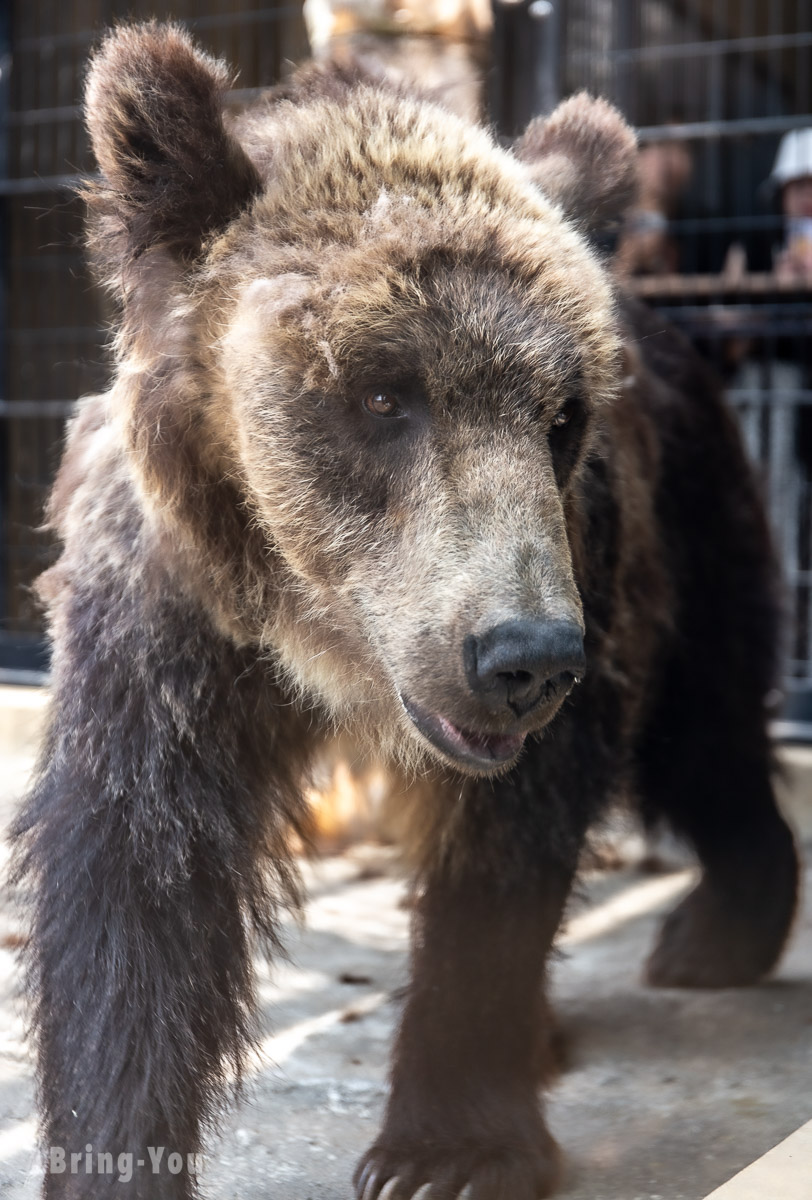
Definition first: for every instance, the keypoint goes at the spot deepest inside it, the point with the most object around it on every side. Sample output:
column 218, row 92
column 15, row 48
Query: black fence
column 53, row 327
column 713, row 86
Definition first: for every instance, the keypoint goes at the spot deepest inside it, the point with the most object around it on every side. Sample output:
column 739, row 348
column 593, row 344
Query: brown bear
column 385, row 454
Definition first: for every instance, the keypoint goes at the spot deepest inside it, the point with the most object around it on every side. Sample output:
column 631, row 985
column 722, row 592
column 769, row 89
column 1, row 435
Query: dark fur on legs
column 704, row 756
column 466, row 1072
column 473, row 1047
column 155, row 840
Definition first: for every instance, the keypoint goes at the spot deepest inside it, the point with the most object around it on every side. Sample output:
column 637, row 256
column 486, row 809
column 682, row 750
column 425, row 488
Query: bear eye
column 564, row 415
column 381, row 404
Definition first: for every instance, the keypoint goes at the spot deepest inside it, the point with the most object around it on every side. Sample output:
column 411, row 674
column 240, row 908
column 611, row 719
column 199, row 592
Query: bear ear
column 171, row 172
column 583, row 156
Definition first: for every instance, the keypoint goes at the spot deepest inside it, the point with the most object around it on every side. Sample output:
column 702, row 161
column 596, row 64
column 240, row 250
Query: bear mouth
column 480, row 751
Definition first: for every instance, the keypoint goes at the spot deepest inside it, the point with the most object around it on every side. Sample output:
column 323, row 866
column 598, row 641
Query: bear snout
column 519, row 663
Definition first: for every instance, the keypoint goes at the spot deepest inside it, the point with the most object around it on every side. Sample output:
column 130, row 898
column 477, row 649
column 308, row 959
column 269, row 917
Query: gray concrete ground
column 668, row 1095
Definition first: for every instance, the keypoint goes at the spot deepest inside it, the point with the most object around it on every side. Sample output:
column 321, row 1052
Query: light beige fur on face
column 361, row 192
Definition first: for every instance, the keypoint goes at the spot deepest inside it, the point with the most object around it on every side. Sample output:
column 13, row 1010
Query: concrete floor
column 669, row 1094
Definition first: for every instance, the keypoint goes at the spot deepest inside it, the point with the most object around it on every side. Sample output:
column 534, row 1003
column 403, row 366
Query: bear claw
column 499, row 1176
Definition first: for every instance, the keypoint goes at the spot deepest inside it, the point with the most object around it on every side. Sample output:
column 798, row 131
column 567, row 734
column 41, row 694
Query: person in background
column 773, row 374
column 645, row 245
column 792, row 175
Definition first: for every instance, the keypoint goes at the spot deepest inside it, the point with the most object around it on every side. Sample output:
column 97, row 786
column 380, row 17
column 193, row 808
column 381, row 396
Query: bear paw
column 706, row 942
column 425, row 1172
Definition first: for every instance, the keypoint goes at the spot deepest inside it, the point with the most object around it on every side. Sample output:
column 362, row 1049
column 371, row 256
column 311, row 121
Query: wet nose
column 516, row 663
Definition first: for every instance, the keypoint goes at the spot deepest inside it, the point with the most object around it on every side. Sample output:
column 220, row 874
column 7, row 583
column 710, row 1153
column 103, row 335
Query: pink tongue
column 495, row 744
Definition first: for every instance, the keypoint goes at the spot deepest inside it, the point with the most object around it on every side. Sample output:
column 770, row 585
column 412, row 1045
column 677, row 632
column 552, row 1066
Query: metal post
column 526, row 79
column 5, row 93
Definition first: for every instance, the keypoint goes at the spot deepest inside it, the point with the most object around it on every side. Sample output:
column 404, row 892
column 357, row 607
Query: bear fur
column 386, row 454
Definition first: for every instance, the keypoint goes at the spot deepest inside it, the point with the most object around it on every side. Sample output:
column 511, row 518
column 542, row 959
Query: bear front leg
column 464, row 1106
column 152, row 846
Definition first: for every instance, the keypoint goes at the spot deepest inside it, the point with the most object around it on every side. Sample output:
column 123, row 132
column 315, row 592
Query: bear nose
column 512, row 664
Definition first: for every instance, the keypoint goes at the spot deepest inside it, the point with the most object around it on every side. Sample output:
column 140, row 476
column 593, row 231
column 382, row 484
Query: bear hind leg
column 705, row 765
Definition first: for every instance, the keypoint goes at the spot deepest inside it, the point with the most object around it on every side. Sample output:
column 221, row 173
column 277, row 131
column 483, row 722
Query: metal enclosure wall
column 53, row 332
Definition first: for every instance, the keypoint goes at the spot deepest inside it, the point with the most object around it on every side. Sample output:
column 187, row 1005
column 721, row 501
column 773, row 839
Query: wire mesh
column 54, row 335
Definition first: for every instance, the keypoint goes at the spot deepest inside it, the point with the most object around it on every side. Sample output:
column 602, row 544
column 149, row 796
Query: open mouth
column 480, row 750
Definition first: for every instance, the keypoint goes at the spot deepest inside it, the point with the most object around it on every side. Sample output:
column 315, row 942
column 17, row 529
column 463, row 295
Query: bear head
column 362, row 353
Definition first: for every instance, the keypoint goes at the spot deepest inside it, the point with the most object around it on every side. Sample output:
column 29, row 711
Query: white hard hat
column 794, row 157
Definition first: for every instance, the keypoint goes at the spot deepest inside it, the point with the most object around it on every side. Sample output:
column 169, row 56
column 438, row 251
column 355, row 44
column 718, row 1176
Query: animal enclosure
column 719, row 83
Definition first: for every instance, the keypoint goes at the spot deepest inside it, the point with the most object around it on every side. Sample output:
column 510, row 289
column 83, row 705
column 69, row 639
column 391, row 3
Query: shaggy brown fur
column 382, row 454
column 583, row 159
